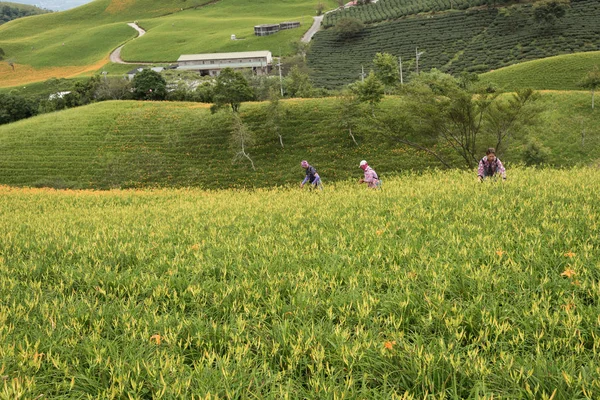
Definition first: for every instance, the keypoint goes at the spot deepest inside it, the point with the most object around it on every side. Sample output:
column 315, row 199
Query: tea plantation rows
column 474, row 41
column 392, row 9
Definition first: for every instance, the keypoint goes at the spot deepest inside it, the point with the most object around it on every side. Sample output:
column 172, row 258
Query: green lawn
column 147, row 144
column 560, row 73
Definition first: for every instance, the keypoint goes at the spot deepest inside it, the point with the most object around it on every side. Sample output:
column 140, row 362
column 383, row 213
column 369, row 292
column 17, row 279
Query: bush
column 349, row 27
column 535, row 153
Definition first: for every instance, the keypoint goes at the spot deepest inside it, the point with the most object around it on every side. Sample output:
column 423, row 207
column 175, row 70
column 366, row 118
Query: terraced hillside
column 147, row 144
column 79, row 41
column 473, row 40
column 393, row 9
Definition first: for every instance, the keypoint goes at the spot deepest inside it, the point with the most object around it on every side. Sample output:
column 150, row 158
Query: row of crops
column 474, row 41
column 393, row 9
column 435, row 290
column 133, row 144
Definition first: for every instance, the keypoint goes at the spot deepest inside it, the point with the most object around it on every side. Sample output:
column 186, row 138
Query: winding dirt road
column 115, row 56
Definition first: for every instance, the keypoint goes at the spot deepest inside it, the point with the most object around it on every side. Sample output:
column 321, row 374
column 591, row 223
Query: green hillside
column 560, row 72
column 53, row 45
column 141, row 144
column 10, row 11
column 476, row 40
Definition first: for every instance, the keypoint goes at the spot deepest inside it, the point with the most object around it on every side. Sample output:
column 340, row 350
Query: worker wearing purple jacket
column 371, row 178
column 312, row 176
column 490, row 166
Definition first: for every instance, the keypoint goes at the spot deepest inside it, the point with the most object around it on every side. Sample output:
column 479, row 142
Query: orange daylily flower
column 569, row 273
column 379, row 232
column 156, row 338
column 500, row 252
column 389, row 345
column 570, row 254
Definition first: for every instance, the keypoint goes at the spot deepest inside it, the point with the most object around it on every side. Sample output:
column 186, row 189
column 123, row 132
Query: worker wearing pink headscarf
column 371, row 178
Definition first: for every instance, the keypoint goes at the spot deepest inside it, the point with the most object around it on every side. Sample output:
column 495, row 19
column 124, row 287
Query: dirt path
column 115, row 56
column 313, row 29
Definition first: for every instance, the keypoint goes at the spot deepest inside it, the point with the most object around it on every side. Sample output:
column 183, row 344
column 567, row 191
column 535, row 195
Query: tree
column 232, row 89
column 548, row 12
column 274, row 115
column 14, row 108
column 591, row 82
column 458, row 116
column 386, row 69
column 368, row 91
column 349, row 114
column 241, row 139
column 301, row 48
column 320, row 8
column 113, row 89
column 298, row 84
column 507, row 116
column 348, row 27
column 149, row 85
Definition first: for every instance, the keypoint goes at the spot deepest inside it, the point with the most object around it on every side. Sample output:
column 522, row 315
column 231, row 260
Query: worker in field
column 371, row 178
column 311, row 177
column 490, row 166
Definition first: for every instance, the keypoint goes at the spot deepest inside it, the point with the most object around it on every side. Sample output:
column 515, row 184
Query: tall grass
column 435, row 287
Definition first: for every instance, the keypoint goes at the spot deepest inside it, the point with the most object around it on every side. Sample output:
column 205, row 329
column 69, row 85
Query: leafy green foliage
column 149, row 85
column 592, row 82
column 10, row 11
column 14, row 108
column 348, row 27
column 297, row 83
column 368, row 91
column 231, row 89
column 548, row 12
column 386, row 69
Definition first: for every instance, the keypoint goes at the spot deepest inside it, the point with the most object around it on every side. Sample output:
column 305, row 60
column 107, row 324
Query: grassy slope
column 208, row 29
column 133, row 144
column 436, row 287
column 560, row 72
column 91, row 31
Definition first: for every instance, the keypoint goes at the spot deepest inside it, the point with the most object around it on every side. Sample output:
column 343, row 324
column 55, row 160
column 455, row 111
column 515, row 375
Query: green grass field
column 558, row 73
column 436, row 287
column 52, row 45
column 149, row 144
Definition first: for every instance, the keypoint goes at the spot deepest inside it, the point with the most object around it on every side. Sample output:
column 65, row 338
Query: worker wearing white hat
column 371, row 178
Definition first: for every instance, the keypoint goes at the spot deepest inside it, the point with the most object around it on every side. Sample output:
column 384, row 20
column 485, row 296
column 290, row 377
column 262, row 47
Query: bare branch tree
column 241, row 139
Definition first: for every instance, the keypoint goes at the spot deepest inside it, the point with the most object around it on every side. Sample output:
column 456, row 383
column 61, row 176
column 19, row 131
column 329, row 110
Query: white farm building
column 211, row 64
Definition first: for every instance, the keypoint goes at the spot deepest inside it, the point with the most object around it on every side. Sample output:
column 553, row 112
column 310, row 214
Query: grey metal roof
column 222, row 65
column 224, row 56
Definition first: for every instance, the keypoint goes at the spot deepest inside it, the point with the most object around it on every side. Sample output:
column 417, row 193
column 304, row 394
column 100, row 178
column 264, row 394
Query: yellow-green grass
column 562, row 72
column 150, row 144
column 20, row 6
column 78, row 41
column 436, row 287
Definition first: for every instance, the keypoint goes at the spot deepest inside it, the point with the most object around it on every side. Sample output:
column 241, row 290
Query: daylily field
column 436, row 287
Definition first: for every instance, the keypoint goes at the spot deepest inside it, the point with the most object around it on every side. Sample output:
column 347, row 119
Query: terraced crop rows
column 474, row 41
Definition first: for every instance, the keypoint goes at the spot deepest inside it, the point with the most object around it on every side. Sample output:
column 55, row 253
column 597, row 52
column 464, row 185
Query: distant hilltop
column 55, row 5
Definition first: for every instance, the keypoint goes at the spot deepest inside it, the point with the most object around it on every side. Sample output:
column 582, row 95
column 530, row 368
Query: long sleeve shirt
column 490, row 168
column 371, row 177
column 311, row 175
